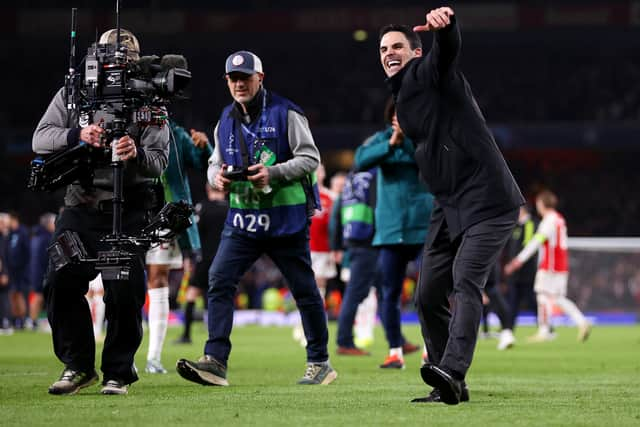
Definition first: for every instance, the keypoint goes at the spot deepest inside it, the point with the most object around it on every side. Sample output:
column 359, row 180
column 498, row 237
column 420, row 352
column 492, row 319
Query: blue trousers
column 364, row 274
column 392, row 262
column 236, row 253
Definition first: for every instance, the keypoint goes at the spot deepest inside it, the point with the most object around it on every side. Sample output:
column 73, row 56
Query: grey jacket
column 58, row 129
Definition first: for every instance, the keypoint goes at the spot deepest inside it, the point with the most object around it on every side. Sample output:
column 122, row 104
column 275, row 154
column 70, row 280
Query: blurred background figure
column 553, row 270
column 352, row 229
column 18, row 267
column 95, row 298
column 6, row 327
column 38, row 263
column 322, row 261
column 187, row 151
column 403, row 209
column 520, row 282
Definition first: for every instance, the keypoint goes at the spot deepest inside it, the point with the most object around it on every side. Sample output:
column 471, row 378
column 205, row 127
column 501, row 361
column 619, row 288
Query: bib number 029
column 251, row 222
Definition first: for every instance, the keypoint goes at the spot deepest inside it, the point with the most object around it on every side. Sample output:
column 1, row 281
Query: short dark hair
column 414, row 39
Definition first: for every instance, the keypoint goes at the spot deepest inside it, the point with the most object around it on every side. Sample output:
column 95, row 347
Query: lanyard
column 263, row 117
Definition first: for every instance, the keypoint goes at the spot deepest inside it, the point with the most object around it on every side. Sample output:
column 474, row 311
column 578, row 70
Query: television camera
column 125, row 91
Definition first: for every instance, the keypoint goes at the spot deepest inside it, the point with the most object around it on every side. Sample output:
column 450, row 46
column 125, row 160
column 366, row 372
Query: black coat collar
column 395, row 82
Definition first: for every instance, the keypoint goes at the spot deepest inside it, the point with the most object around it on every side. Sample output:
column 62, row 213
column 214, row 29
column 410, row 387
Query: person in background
column 5, row 305
column 18, row 268
column 352, row 226
column 38, row 263
column 187, row 151
column 553, row 270
column 402, row 219
column 520, row 282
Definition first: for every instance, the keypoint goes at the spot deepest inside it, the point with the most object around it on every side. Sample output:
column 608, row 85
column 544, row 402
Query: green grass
column 560, row 383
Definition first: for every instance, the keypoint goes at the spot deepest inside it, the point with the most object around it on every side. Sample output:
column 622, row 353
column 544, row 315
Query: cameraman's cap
column 127, row 39
column 243, row 62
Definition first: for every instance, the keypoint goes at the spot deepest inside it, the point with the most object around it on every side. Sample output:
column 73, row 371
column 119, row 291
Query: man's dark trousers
column 236, row 253
column 459, row 270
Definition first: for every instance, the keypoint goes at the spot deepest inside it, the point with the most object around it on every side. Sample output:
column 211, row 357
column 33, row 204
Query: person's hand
column 485, row 299
column 337, row 256
column 92, row 135
column 260, row 176
column 126, row 148
column 220, row 182
column 512, row 266
column 200, row 139
column 398, row 135
column 187, row 264
column 4, row 280
column 436, row 20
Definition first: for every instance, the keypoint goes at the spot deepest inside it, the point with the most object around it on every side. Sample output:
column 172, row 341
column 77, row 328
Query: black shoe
column 71, row 381
column 434, row 396
column 450, row 388
column 206, row 371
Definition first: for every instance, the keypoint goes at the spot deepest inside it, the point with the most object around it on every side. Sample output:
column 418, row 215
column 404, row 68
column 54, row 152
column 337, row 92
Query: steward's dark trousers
column 459, row 270
column 236, row 253
column 67, row 308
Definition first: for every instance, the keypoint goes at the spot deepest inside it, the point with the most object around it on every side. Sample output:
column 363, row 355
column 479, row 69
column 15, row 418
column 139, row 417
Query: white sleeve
column 543, row 233
column 215, row 161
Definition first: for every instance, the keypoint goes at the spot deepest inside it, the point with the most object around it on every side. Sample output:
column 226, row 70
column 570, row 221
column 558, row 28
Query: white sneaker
column 541, row 337
column 584, row 331
column 507, row 340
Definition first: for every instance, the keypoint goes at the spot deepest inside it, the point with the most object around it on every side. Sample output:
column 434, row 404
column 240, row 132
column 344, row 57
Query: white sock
column 97, row 308
column 544, row 314
column 158, row 321
column 397, row 351
column 366, row 318
column 572, row 311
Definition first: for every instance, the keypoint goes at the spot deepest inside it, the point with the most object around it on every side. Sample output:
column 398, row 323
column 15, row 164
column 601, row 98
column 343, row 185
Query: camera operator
column 88, row 211
column 266, row 141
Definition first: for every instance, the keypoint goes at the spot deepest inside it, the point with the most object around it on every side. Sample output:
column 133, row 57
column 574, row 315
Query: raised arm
column 543, row 233
column 446, row 41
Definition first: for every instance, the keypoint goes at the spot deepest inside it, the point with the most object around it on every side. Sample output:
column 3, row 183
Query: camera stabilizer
column 130, row 93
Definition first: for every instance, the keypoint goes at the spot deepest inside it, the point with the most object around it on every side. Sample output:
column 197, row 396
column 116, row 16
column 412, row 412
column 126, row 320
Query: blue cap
column 243, row 62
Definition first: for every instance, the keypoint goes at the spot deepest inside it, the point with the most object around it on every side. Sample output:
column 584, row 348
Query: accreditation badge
column 265, row 156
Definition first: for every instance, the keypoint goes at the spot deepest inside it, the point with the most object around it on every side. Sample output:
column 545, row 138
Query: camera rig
column 127, row 93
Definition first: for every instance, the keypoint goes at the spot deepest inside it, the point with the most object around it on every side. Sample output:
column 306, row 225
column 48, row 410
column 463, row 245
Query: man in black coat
column 477, row 198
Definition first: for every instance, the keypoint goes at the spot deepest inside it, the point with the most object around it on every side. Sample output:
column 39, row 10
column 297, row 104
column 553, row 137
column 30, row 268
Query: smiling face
column 244, row 87
column 395, row 52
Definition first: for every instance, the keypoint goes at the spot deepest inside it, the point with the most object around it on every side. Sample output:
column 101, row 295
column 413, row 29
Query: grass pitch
column 561, row 383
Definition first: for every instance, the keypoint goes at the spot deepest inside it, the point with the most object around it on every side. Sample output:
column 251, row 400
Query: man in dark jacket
column 477, row 198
